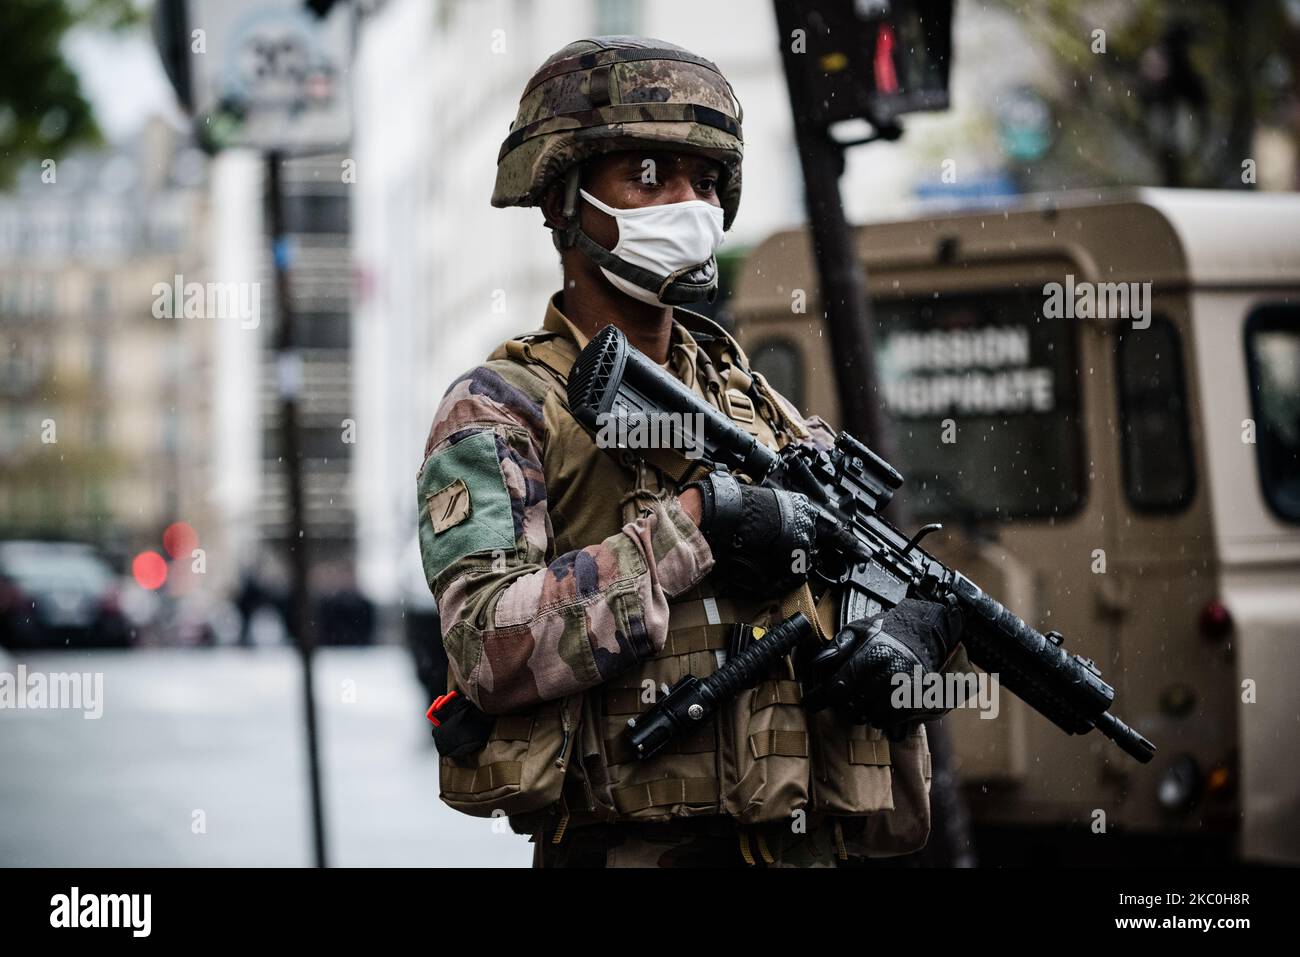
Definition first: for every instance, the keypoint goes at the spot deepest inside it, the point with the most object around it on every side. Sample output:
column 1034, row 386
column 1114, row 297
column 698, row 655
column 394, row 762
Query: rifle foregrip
column 1066, row 689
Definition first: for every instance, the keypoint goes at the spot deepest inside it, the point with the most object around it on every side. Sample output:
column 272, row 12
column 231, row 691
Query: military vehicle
column 1099, row 396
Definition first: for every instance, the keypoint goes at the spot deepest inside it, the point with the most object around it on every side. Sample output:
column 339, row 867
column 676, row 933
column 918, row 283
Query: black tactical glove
column 762, row 538
column 854, row 672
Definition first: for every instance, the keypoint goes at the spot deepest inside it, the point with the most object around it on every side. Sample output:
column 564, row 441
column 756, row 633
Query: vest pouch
column 852, row 767
column 682, row 779
column 905, row 827
column 521, row 767
column 765, row 765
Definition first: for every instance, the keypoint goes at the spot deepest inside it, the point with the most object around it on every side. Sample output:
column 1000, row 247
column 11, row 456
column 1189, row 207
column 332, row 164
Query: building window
column 1155, row 439
column 1273, row 358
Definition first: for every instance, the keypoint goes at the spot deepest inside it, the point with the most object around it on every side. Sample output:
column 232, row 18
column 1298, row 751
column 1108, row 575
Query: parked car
column 59, row 594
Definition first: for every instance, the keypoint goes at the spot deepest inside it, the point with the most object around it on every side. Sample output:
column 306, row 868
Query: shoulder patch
column 449, row 506
column 464, row 505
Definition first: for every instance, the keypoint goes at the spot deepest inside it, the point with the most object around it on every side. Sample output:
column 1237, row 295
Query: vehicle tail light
column 1215, row 620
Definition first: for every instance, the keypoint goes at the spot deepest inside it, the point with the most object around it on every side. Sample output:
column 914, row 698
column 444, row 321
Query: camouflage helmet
column 613, row 93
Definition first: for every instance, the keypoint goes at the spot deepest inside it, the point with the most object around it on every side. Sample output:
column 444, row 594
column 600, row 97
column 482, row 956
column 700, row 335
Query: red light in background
column 1215, row 621
column 150, row 570
column 180, row 540
column 883, row 62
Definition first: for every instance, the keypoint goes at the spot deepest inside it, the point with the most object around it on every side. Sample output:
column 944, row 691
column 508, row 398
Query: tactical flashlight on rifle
column 872, row 564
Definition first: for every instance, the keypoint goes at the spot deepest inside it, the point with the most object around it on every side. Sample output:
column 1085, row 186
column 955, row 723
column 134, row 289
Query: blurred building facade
column 103, row 405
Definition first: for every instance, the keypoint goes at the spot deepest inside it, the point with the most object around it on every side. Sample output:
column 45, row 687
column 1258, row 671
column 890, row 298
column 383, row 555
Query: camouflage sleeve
column 520, row 624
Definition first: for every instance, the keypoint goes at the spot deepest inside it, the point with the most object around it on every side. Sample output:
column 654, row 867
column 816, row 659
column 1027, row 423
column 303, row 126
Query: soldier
column 574, row 581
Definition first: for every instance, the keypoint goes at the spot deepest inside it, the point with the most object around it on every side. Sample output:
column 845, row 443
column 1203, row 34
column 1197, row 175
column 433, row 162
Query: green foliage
column 1175, row 97
column 43, row 113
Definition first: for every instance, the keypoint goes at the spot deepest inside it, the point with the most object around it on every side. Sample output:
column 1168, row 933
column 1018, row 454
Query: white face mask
column 663, row 239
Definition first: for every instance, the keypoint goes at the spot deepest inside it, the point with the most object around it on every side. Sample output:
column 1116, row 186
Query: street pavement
column 199, row 759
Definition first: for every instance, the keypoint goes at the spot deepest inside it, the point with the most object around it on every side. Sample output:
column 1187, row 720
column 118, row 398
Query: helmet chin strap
column 690, row 284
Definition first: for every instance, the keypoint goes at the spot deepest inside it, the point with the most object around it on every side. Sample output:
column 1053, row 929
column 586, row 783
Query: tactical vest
column 760, row 759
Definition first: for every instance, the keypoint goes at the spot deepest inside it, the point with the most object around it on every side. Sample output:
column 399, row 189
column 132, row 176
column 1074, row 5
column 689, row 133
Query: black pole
column 289, row 375
column 842, row 276
column 850, row 326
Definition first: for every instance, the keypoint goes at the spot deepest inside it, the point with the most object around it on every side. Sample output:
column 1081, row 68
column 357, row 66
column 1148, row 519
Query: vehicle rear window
column 1273, row 357
column 1155, row 440
column 984, row 395
column 779, row 360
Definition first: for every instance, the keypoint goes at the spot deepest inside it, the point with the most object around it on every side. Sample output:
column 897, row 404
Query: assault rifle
column 872, row 563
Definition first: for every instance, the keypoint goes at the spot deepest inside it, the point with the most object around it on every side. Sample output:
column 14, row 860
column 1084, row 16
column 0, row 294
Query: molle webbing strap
column 513, row 727
column 485, row 778
column 875, row 753
column 623, row 701
column 841, row 851
column 748, row 383
column 682, row 641
column 790, row 744
column 664, row 792
column 801, row 599
column 601, row 89
column 775, row 692
column 564, row 821
column 709, row 610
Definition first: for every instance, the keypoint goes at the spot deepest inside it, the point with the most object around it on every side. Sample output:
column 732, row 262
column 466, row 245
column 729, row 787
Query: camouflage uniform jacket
column 533, row 612
column 519, row 627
